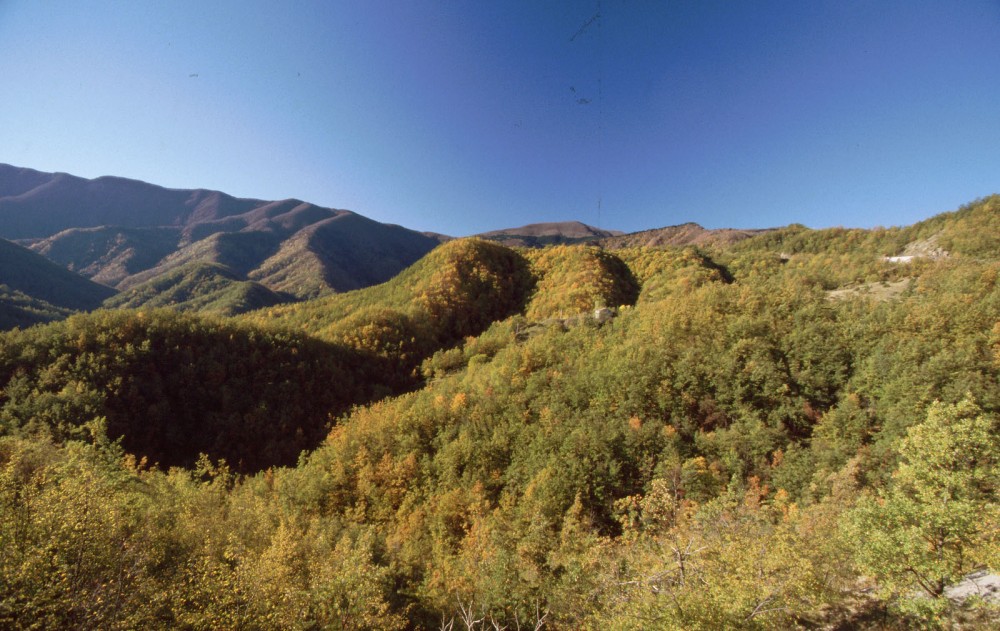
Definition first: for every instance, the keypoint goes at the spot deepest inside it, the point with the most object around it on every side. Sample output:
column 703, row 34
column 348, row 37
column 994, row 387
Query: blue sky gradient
column 462, row 117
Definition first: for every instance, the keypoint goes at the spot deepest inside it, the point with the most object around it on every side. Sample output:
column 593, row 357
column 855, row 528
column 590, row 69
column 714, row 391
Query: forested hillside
column 791, row 430
column 204, row 287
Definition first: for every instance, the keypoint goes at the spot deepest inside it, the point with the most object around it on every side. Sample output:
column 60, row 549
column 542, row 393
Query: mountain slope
column 341, row 253
column 174, row 386
column 34, row 289
column 735, row 450
column 208, row 287
column 578, row 279
column 18, row 309
column 36, row 205
column 240, row 252
column 23, row 270
column 125, row 233
column 463, row 284
column 108, row 255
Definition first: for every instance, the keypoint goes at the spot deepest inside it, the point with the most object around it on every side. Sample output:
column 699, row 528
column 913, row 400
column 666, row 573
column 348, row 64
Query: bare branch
column 468, row 614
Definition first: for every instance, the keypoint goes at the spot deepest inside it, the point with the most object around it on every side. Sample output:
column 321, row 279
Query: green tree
column 930, row 526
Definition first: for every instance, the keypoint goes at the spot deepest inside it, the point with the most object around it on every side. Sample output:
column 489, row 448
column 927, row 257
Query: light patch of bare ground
column 927, row 248
column 980, row 584
column 881, row 291
column 923, row 249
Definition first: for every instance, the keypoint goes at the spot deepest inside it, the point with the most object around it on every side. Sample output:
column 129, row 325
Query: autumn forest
column 797, row 429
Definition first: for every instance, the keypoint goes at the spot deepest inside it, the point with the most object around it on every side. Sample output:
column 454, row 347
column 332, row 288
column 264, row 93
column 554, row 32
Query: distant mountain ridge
column 124, row 233
column 681, row 235
column 542, row 234
column 568, row 232
column 35, row 204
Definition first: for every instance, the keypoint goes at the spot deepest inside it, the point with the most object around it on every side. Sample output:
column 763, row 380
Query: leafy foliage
column 174, row 386
column 734, row 449
column 924, row 531
column 579, row 279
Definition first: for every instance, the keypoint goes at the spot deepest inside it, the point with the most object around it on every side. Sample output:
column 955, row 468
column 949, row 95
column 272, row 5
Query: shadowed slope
column 108, row 255
column 21, row 270
column 176, row 385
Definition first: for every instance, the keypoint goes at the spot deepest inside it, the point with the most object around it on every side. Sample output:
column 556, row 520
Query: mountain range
column 146, row 241
column 135, row 244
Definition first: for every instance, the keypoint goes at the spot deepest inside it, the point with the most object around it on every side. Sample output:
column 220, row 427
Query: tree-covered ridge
column 543, row 234
column 662, row 271
column 734, row 450
column 18, row 309
column 726, row 416
column 835, row 257
column 239, row 252
column 578, row 279
column 204, row 287
column 106, row 254
column 174, row 386
column 455, row 291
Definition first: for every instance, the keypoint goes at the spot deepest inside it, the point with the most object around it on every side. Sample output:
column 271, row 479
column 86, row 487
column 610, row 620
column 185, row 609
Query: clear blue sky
column 461, row 117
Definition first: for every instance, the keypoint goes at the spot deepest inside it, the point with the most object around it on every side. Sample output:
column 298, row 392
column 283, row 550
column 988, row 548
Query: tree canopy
column 743, row 445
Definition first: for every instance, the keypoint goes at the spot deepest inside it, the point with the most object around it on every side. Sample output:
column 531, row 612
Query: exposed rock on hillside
column 922, row 249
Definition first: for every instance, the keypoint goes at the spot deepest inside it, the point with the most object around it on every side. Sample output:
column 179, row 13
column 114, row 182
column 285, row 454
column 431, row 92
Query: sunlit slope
column 560, row 442
column 683, row 235
column 578, row 279
column 837, row 257
column 205, row 287
column 971, row 231
column 458, row 288
column 463, row 286
column 662, row 272
column 341, row 253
